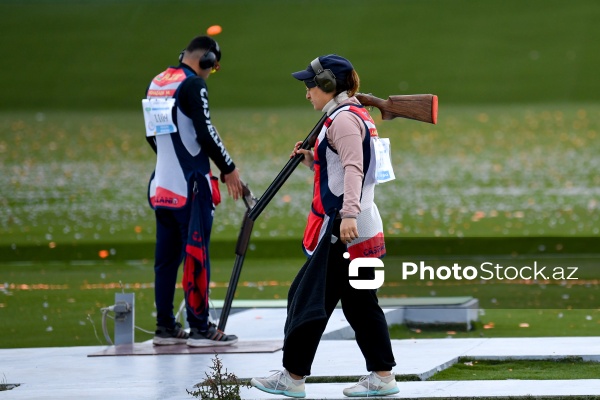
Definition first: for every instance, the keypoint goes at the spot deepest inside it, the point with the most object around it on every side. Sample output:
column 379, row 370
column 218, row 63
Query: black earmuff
column 208, row 60
column 211, row 58
column 324, row 78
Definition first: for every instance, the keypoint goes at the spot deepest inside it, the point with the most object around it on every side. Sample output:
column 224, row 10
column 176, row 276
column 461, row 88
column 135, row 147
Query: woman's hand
column 348, row 230
column 308, row 159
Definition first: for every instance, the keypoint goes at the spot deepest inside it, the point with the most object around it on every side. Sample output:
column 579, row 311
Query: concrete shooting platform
column 105, row 372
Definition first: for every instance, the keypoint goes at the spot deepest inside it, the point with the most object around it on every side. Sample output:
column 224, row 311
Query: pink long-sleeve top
column 345, row 135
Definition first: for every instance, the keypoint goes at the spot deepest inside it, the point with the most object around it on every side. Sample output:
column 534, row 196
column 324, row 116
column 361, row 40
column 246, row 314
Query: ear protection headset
column 209, row 59
column 324, row 78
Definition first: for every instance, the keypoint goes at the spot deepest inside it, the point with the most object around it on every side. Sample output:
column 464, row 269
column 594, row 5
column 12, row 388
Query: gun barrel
column 284, row 174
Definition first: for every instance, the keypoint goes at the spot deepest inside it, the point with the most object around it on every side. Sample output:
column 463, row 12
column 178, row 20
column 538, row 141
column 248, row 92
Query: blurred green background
column 92, row 55
column 515, row 152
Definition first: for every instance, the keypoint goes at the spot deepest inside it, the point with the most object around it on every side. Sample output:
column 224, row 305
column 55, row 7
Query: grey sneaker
column 280, row 383
column 169, row 336
column 211, row 337
column 373, row 385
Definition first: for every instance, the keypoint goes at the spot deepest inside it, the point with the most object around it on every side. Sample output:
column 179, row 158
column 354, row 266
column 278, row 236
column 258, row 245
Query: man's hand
column 348, row 230
column 308, row 160
column 233, row 183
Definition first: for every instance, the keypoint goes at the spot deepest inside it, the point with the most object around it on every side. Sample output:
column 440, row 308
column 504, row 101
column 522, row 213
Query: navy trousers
column 361, row 309
column 172, row 234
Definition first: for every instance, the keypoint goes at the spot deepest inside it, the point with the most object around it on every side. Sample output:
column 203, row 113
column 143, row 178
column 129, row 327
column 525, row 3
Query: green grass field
column 48, row 304
column 514, row 155
column 467, row 369
column 482, row 171
column 501, row 171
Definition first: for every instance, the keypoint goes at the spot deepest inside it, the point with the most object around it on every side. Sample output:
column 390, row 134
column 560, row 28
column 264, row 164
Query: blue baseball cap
column 339, row 67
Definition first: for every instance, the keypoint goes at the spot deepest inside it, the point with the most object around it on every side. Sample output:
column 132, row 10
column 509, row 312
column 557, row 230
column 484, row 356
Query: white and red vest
column 328, row 191
column 178, row 155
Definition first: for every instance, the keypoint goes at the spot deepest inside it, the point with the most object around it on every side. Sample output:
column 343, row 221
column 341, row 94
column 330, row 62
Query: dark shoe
column 165, row 336
column 211, row 337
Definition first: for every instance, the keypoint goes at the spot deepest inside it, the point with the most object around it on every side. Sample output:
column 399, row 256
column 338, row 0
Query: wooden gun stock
column 420, row 107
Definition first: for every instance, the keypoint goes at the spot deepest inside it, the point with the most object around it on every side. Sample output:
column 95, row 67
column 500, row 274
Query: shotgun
column 419, row 107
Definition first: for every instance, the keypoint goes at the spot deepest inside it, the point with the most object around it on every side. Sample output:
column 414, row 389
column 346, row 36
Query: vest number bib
column 158, row 116
column 384, row 171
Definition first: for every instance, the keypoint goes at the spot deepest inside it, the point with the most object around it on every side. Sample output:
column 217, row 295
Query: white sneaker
column 280, row 383
column 373, row 385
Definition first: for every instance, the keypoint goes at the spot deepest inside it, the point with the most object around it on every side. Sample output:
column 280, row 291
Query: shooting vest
column 328, row 191
column 179, row 159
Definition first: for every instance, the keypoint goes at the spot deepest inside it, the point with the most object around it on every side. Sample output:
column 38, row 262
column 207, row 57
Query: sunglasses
column 215, row 68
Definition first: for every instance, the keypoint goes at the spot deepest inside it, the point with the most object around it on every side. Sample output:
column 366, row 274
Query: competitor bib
column 158, row 116
column 383, row 171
